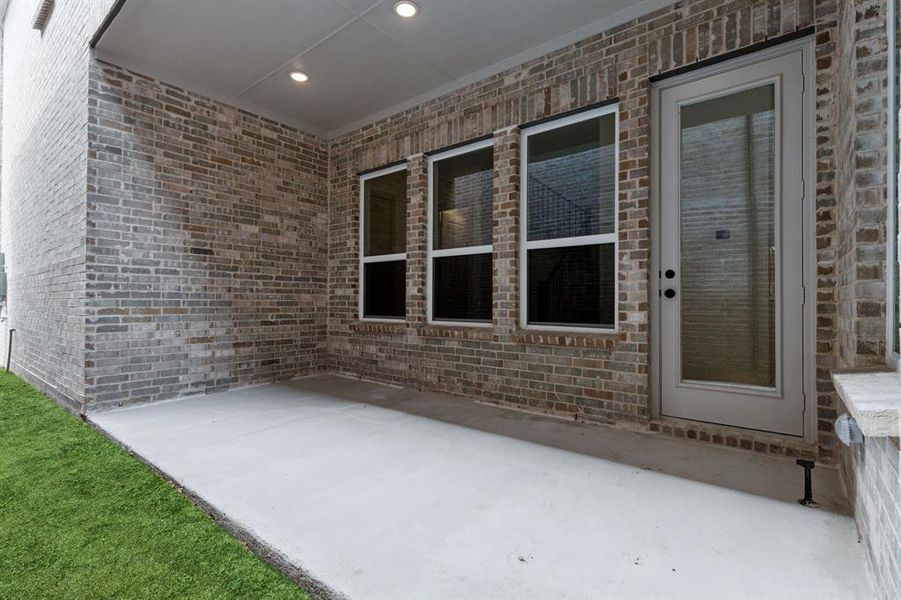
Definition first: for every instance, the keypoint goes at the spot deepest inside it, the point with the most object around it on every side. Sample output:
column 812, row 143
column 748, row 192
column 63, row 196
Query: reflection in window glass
column 383, row 274
column 570, row 245
column 462, row 196
column 385, row 289
column 728, row 233
column 461, row 221
column 572, row 180
column 572, row 286
column 462, row 288
column 385, row 214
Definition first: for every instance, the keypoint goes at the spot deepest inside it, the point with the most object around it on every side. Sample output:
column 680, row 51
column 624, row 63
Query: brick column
column 417, row 238
column 505, row 235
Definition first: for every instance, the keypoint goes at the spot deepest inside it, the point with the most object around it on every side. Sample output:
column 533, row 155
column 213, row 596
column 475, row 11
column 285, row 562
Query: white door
column 730, row 257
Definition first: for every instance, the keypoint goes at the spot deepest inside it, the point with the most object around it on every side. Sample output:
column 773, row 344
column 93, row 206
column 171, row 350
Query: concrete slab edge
column 111, row 405
column 316, row 589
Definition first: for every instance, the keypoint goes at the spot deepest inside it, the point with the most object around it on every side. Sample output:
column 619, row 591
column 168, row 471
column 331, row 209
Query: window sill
column 384, row 326
column 873, row 398
column 465, row 332
column 574, row 339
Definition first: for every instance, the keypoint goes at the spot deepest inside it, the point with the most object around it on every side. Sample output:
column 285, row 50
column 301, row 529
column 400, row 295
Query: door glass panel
column 728, row 278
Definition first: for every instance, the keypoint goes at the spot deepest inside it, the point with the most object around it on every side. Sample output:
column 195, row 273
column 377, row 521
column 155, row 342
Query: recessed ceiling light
column 405, row 9
column 298, row 76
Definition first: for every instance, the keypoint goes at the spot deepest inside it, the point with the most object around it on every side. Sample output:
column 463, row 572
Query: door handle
column 669, row 293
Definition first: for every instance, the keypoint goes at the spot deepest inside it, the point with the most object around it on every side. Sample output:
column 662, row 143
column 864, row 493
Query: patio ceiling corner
column 363, row 61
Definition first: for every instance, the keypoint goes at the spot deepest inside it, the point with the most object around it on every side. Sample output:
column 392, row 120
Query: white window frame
column 893, row 184
column 588, row 240
column 364, row 260
column 431, row 252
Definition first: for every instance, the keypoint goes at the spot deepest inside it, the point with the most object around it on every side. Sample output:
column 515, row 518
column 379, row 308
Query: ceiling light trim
column 405, row 9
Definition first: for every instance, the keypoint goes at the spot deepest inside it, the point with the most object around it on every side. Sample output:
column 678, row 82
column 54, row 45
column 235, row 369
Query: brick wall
column 44, row 169
column 874, row 486
column 871, row 469
column 206, row 244
column 599, row 377
column 861, row 88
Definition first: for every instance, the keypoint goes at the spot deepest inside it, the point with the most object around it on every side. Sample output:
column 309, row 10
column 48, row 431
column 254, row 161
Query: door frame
column 808, row 219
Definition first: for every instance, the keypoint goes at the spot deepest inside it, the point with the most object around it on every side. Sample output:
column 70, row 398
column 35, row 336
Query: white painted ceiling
column 364, row 61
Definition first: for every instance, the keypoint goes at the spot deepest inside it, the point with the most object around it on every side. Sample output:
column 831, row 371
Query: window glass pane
column 461, row 192
column 384, row 294
column 385, row 214
column 462, row 288
column 728, row 220
column 572, row 286
column 571, row 180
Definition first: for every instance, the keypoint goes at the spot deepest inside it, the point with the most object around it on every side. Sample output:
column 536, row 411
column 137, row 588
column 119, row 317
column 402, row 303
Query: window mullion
column 587, row 240
column 464, row 251
column 385, row 258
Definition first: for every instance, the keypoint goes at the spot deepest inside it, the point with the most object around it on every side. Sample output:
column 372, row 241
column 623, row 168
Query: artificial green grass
column 82, row 518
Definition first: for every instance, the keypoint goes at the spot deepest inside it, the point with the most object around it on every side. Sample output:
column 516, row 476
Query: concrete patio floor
column 378, row 492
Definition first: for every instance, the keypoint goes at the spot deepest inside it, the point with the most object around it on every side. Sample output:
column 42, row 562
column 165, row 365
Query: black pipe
column 9, row 349
column 807, row 500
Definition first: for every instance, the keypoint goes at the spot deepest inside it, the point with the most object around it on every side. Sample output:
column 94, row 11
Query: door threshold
column 760, row 442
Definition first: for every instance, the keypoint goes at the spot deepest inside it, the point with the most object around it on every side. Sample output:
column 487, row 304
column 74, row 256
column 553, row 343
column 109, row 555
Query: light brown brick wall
column 206, row 244
column 45, row 76
column 873, row 480
column 597, row 377
column 861, row 236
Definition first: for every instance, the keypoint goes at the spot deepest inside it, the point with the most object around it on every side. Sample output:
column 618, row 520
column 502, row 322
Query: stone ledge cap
column 873, row 398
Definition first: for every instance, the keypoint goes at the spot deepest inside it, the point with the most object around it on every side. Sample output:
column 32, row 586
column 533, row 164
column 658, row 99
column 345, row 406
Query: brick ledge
column 873, row 397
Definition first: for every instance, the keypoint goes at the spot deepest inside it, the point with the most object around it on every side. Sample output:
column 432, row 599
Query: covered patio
column 374, row 491
column 438, row 299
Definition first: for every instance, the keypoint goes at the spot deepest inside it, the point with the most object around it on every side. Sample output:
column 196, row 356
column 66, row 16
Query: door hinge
column 803, row 295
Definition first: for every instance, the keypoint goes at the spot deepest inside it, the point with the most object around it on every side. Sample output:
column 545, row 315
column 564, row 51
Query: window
column 569, row 240
column 460, row 220
column 383, row 244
